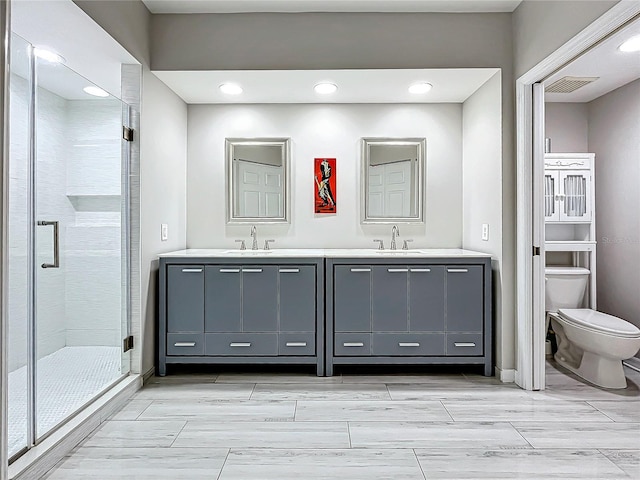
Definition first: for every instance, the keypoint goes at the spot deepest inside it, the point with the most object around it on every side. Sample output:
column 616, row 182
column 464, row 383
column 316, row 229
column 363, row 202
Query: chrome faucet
column 394, row 232
column 254, row 235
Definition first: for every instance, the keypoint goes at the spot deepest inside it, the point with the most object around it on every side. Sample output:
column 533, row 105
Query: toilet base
column 601, row 371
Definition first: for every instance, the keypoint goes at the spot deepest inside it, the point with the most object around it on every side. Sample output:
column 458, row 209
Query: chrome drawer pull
column 251, row 270
column 457, row 270
column 353, row 344
column 397, row 270
column 420, row 269
column 191, row 270
column 240, row 344
column 464, row 344
column 184, row 344
column 408, row 344
column 289, row 270
column 360, row 269
column 229, row 270
column 296, row 344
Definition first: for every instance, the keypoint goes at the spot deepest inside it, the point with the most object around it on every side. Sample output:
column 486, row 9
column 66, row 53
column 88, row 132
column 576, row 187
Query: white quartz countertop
column 324, row 252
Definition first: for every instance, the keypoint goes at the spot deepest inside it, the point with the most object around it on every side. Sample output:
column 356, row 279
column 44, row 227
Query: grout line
column 424, row 475
column 349, row 432
column 295, row 410
column 448, row 412
column 252, row 390
column 223, row 464
column 519, row 433
column 600, row 411
column 181, row 430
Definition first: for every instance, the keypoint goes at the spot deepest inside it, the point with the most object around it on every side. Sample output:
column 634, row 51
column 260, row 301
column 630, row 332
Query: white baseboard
column 40, row 459
column 506, row 375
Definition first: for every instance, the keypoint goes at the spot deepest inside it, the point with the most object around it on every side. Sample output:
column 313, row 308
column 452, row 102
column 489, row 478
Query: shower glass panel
column 18, row 257
column 78, row 248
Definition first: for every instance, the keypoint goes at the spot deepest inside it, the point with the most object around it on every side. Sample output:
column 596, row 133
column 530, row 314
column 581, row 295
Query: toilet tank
column 564, row 287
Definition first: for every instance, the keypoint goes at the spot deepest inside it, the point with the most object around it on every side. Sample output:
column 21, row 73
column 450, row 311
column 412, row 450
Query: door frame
column 529, row 374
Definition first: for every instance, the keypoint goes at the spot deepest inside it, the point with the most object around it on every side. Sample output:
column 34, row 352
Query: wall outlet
column 164, row 232
column 485, row 232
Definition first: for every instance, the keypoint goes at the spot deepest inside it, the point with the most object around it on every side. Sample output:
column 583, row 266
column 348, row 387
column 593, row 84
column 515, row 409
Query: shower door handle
column 56, row 243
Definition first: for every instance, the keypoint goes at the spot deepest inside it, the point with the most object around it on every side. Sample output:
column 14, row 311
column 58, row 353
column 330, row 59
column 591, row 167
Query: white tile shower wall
column 17, row 216
column 93, row 251
column 324, row 131
column 51, row 204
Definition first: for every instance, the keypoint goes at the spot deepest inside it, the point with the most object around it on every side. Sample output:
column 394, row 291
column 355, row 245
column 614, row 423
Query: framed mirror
column 393, row 179
column 258, row 189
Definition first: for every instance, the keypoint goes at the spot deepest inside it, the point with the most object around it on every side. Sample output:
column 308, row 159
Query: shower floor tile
column 66, row 379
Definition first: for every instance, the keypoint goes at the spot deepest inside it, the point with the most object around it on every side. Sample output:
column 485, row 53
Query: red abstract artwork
column 325, row 180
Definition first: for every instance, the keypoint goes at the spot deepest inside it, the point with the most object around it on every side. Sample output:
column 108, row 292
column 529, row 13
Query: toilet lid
column 566, row 270
column 600, row 321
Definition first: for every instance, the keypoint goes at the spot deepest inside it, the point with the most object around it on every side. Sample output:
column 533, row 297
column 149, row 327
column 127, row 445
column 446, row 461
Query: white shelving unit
column 569, row 210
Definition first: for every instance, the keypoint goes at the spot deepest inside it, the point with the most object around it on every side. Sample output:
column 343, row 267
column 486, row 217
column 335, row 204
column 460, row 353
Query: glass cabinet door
column 551, row 211
column 576, row 193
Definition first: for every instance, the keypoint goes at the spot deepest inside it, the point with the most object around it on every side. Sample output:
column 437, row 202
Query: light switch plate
column 164, row 232
column 485, row 232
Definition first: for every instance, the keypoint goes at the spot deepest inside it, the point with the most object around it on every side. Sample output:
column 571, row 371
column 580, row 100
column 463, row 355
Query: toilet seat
column 599, row 322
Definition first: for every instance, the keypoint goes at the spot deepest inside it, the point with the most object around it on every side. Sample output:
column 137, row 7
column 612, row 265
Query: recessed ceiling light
column 631, row 45
column 230, row 89
column 95, row 91
column 48, row 55
column 325, row 88
column 420, row 88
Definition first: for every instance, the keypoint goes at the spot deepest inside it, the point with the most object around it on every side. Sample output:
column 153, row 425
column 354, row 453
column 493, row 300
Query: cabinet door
column 297, row 298
column 465, row 302
column 426, row 298
column 223, row 304
column 185, row 298
column 352, row 298
column 551, row 196
column 389, row 299
column 259, row 298
column 575, row 196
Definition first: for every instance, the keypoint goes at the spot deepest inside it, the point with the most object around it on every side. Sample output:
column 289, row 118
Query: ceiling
column 96, row 59
column 293, row 6
column 354, row 86
column 615, row 68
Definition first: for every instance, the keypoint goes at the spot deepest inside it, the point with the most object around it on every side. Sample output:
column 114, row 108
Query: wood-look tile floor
column 264, row 426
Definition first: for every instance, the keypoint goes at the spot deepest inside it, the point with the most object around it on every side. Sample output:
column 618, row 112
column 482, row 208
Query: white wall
column 163, row 162
column 324, row 131
column 481, row 197
column 566, row 126
column 614, row 136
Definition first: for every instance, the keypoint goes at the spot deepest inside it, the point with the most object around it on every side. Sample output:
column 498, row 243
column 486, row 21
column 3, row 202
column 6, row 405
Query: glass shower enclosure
column 68, row 255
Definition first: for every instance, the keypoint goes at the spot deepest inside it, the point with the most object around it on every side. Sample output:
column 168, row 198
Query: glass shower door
column 79, row 270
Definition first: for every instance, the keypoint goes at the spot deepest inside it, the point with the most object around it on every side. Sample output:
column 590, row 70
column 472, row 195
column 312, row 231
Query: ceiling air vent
column 569, row 84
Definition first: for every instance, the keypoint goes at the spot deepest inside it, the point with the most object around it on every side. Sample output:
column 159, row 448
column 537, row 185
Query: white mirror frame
column 230, row 144
column 421, row 145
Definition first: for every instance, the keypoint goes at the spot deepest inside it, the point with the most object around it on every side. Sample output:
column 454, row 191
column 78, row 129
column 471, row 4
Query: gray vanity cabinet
column 412, row 310
column 239, row 311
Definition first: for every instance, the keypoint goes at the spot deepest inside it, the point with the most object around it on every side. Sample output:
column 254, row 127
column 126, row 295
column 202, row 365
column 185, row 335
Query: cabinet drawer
column 408, row 344
column 185, row 344
column 241, row 344
column 347, row 344
column 303, row 343
column 463, row 344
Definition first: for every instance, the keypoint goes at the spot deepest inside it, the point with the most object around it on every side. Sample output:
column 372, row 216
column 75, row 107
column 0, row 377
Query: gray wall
column 614, row 136
column 541, row 27
column 566, row 126
column 163, row 163
column 481, row 191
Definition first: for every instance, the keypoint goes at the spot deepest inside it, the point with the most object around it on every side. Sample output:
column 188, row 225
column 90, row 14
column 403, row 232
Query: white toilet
column 591, row 344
